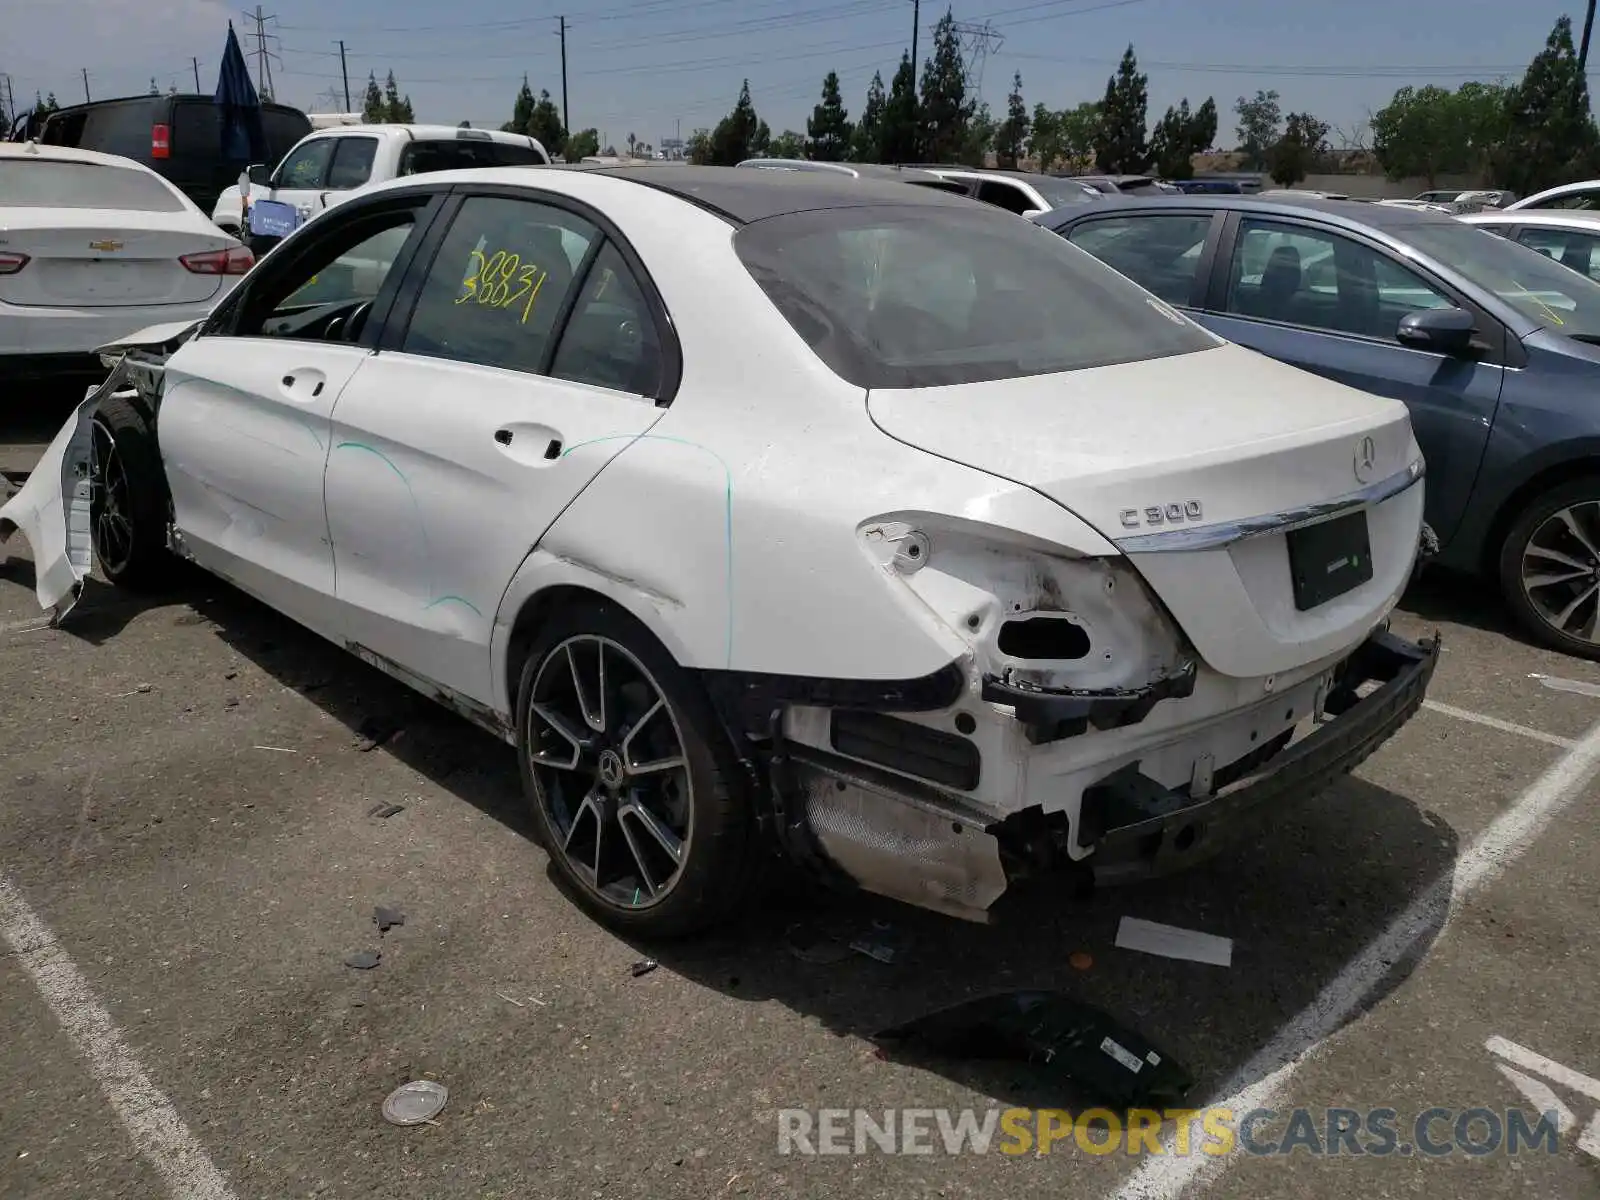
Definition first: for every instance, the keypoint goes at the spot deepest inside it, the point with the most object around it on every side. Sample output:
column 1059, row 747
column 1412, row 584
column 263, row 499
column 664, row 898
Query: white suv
column 324, row 167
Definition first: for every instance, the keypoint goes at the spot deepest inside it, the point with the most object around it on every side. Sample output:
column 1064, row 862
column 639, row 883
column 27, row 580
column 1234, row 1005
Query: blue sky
column 651, row 66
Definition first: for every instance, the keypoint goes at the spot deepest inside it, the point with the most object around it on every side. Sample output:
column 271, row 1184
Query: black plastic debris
column 1053, row 1031
column 384, row 811
column 387, row 918
column 362, row 960
column 644, row 966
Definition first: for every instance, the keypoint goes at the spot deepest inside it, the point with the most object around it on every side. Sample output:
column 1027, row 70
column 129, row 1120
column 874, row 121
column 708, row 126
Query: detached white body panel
column 1073, row 598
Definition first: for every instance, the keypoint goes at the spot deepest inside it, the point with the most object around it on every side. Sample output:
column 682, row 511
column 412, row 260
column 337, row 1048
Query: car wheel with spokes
column 1550, row 568
column 633, row 784
column 128, row 497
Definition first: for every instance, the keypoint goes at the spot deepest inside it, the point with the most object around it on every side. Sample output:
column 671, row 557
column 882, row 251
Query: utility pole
column 86, row 96
column 916, row 20
column 345, row 71
column 1583, row 49
column 566, row 113
column 196, row 63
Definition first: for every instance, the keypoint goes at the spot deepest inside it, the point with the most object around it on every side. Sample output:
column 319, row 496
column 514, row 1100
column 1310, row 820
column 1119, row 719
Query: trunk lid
column 90, row 258
column 1166, row 457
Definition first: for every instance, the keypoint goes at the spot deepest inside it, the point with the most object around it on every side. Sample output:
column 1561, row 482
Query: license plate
column 1329, row 559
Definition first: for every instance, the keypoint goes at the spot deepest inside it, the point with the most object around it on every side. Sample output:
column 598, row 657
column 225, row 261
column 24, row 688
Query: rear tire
column 1550, row 568
column 624, row 763
column 128, row 512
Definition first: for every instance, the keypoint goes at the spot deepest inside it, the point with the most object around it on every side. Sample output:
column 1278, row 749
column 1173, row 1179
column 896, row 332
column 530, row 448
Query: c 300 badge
column 1179, row 513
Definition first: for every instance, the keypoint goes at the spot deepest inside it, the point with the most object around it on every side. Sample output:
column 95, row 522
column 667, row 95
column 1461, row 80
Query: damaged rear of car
column 1120, row 712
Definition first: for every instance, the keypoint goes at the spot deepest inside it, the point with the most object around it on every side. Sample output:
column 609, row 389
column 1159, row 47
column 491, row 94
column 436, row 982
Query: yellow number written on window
column 501, row 280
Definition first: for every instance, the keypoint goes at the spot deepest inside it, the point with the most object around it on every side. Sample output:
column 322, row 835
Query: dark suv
column 178, row 137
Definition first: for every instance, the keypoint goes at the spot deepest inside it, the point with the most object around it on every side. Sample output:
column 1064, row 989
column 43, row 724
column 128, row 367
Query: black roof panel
column 748, row 195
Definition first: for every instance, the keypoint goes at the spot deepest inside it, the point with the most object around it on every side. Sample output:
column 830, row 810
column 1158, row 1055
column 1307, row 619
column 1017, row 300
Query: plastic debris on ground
column 881, row 942
column 387, row 918
column 415, row 1103
column 363, row 960
column 1169, row 941
column 644, row 967
column 1061, row 1035
column 384, row 811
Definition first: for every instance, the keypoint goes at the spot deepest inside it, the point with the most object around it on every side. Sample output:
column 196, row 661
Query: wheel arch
column 1581, row 461
column 546, row 584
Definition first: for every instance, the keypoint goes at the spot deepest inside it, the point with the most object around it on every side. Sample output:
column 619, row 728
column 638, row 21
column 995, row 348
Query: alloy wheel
column 610, row 771
column 110, row 501
column 1561, row 571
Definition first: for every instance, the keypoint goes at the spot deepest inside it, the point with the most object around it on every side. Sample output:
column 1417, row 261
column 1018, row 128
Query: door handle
column 288, row 381
column 503, row 436
column 553, row 450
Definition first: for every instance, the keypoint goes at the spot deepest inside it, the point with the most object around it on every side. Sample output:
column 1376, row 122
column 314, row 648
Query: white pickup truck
column 327, row 165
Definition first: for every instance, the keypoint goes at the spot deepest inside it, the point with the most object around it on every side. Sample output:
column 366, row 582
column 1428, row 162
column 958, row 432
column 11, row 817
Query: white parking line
column 1261, row 1081
column 1477, row 718
column 154, row 1125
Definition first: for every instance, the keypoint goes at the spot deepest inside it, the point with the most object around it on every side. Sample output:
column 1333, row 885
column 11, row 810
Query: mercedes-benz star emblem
column 611, row 769
column 1366, row 459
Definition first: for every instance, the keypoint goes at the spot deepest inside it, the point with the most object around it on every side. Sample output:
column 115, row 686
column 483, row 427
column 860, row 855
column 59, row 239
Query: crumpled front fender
column 52, row 509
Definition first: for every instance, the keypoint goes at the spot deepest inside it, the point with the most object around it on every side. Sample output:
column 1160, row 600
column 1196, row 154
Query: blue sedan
column 1493, row 347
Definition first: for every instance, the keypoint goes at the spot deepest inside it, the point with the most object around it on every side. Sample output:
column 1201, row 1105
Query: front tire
column 1550, row 568
column 129, row 499
column 635, row 790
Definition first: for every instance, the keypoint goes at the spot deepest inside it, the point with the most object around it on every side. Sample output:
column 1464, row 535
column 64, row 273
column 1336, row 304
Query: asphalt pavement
column 190, row 847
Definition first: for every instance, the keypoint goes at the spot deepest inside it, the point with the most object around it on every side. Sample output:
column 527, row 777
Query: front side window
column 1571, row 249
column 307, row 164
column 1306, row 276
column 1161, row 253
column 352, row 162
column 498, row 282
column 328, row 293
column 904, row 296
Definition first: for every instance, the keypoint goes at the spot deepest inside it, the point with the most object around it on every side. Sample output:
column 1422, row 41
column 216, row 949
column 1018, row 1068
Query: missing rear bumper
column 1146, row 830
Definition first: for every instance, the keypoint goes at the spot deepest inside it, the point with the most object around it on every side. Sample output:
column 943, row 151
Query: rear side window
column 196, row 129
column 497, row 283
column 1161, row 253
column 44, row 184
column 912, row 296
column 352, row 162
column 453, row 154
column 122, row 128
column 1005, row 195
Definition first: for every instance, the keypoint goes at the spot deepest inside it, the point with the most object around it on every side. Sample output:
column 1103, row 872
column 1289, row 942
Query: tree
column 866, row 139
column 788, row 144
column 1259, row 120
column 581, row 145
column 545, row 125
column 698, row 148
column 761, row 140
column 734, row 138
column 1482, row 110
column 1550, row 135
column 897, row 139
column 946, row 108
column 521, row 111
column 978, row 140
column 1180, row 135
column 391, row 100
column 828, row 127
column 51, row 104
column 372, row 110
column 1301, row 148
column 1011, row 137
column 1066, row 137
column 1120, row 145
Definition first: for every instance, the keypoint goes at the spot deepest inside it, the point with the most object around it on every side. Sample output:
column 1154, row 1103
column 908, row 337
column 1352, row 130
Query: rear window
column 25, row 184
column 122, row 128
column 282, row 129
column 423, row 157
column 912, row 296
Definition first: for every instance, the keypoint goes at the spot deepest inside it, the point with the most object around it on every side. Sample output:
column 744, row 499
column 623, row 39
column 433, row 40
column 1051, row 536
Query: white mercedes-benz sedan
column 771, row 511
column 94, row 247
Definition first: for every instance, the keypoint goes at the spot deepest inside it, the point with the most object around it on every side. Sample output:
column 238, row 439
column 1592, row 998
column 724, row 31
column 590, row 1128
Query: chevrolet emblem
column 105, row 245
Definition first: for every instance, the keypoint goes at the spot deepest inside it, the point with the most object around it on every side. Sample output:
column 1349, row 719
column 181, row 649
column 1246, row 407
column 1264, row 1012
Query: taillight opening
column 10, row 263
column 234, row 260
column 160, row 142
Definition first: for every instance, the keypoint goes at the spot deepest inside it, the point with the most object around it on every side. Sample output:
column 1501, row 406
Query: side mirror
column 1443, row 330
column 258, row 175
column 1034, row 212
